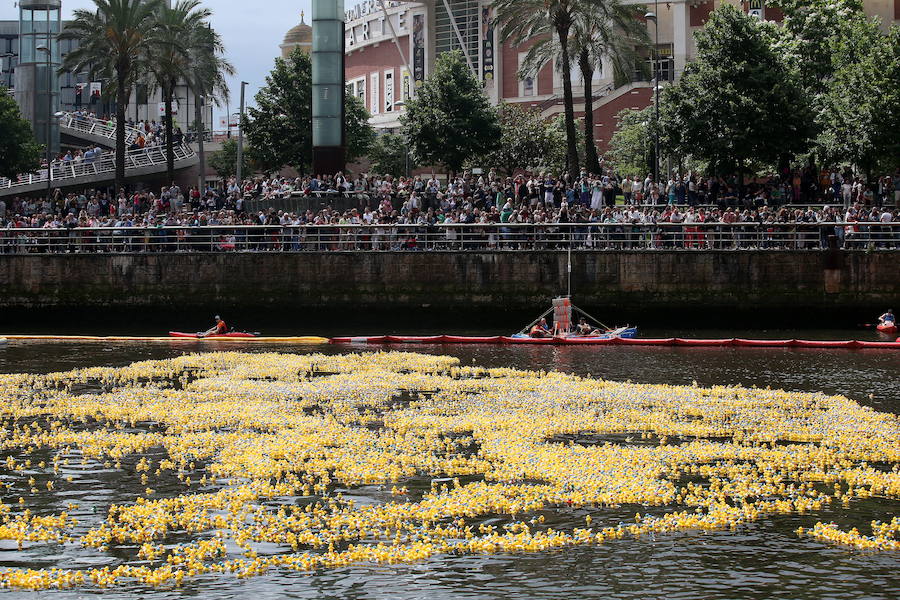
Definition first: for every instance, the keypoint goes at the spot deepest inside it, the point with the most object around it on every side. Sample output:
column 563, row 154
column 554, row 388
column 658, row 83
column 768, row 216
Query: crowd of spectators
column 422, row 212
column 836, row 186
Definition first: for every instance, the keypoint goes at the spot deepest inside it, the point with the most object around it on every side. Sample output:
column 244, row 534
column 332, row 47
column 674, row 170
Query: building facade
column 22, row 75
column 391, row 48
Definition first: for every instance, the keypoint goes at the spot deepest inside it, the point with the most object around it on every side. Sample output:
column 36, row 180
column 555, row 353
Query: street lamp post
column 402, row 104
column 46, row 50
column 240, row 147
column 652, row 16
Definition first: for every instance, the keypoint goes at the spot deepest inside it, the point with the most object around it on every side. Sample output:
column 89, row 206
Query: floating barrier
column 588, row 341
column 175, row 340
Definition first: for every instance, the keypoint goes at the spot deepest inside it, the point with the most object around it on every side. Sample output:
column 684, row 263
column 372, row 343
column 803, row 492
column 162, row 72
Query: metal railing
column 597, row 237
column 69, row 173
column 96, row 127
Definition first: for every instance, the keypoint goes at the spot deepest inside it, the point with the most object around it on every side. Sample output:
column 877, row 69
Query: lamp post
column 402, row 104
column 651, row 16
column 46, row 50
column 240, row 146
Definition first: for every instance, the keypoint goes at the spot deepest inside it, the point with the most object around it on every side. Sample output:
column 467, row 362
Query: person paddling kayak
column 220, row 328
column 888, row 318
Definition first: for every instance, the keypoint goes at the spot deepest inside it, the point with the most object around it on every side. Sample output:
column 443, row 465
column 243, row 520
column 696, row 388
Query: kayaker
column 220, row 328
column 888, row 318
column 541, row 330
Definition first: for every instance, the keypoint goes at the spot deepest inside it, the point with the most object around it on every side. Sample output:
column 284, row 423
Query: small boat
column 887, row 328
column 623, row 333
column 200, row 336
column 565, row 328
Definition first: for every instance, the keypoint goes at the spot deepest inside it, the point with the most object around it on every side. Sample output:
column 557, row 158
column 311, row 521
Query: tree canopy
column 279, row 127
column 224, row 161
column 738, row 102
column 631, row 146
column 527, row 141
column 19, row 151
column 450, row 120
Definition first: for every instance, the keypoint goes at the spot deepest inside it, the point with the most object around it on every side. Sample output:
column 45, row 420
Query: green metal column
column 328, row 83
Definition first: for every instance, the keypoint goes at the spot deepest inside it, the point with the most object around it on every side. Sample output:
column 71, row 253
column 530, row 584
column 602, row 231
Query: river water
column 762, row 560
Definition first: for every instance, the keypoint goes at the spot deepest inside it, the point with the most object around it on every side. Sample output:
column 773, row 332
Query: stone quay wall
column 445, row 280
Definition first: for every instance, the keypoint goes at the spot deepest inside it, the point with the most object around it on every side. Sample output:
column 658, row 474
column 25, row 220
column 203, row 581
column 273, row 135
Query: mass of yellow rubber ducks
column 239, row 464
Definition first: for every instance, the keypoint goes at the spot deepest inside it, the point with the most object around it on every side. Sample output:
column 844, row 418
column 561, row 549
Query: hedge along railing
column 591, row 237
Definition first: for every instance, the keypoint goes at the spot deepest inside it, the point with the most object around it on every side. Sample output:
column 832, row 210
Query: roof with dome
column 300, row 34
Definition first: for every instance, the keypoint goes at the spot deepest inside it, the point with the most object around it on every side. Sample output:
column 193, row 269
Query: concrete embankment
column 635, row 281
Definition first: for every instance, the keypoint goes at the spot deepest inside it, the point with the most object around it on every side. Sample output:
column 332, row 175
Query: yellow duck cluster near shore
column 244, row 463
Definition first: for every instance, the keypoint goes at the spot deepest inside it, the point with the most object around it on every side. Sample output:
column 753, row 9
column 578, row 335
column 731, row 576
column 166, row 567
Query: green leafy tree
column 19, row 151
column 848, row 68
column 279, row 127
column 806, row 39
column 450, row 120
column 389, row 155
column 609, row 30
column 526, row 140
column 738, row 101
column 114, row 43
column 224, row 161
column 855, row 113
column 548, row 25
column 631, row 146
column 170, row 59
column 360, row 133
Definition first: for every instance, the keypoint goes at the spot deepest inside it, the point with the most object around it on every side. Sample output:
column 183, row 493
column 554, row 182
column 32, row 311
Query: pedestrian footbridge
column 101, row 168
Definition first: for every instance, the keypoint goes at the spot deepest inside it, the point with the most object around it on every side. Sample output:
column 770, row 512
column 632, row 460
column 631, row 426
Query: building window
column 526, row 84
column 666, row 64
column 467, row 14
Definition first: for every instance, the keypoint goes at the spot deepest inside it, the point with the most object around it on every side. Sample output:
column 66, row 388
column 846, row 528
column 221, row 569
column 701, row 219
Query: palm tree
column 527, row 20
column 171, row 58
column 610, row 31
column 206, row 77
column 113, row 44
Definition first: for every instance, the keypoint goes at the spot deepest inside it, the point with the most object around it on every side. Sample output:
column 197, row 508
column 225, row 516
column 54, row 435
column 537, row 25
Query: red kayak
column 886, row 328
column 197, row 336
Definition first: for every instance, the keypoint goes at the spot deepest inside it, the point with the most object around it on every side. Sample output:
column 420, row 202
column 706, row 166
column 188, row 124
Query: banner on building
column 96, row 91
column 487, row 45
column 162, row 108
column 757, row 8
column 418, row 50
column 79, row 93
column 406, row 81
column 389, row 91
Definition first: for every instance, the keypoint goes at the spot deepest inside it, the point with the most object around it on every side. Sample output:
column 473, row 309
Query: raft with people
column 591, row 332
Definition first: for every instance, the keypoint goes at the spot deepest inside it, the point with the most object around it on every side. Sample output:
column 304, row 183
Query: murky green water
column 758, row 561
